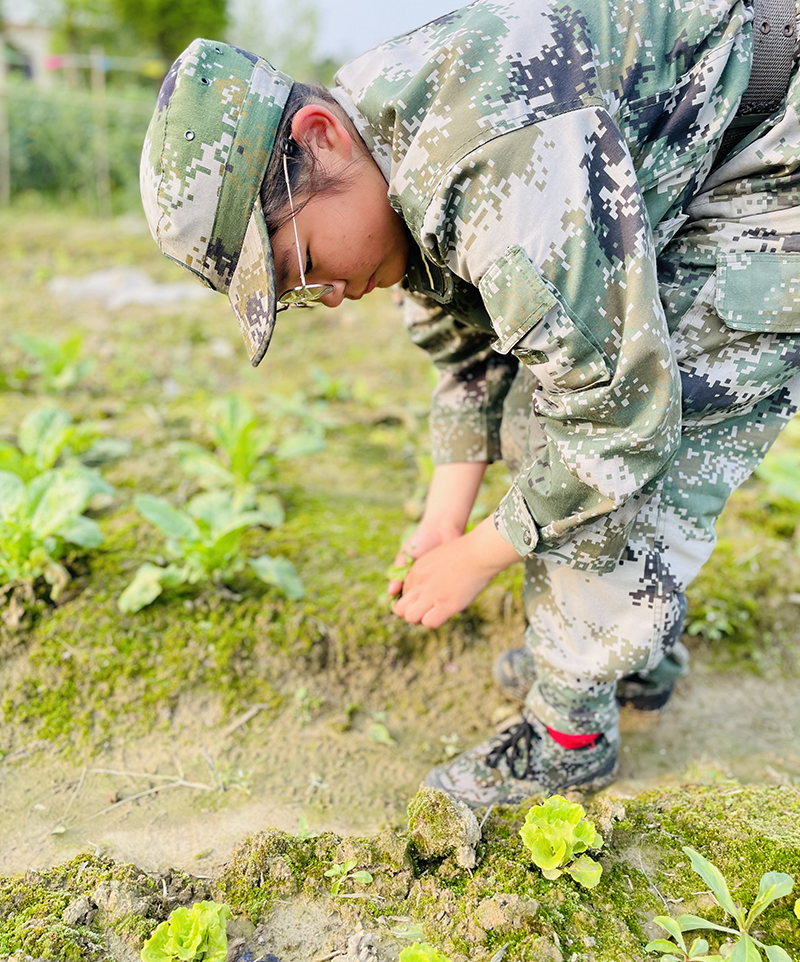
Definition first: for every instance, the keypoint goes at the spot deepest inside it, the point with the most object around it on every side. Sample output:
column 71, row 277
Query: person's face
column 352, row 240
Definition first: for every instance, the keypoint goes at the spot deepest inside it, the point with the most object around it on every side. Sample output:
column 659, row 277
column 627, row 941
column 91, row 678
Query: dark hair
column 306, row 174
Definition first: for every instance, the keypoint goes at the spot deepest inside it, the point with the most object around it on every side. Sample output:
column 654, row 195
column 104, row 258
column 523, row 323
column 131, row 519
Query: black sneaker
column 522, row 761
column 515, row 672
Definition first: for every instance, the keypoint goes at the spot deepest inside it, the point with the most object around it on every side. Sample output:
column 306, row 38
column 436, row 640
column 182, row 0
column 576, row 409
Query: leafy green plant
column 40, row 517
column 421, row 952
column 48, row 437
column 342, row 872
column 554, row 833
column 203, row 544
column 746, row 948
column 246, row 450
column 197, row 934
column 58, row 363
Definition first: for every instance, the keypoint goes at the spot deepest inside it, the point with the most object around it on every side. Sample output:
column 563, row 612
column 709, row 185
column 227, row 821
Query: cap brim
column 252, row 288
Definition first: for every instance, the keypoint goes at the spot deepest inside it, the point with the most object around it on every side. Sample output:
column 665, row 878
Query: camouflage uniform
column 613, row 316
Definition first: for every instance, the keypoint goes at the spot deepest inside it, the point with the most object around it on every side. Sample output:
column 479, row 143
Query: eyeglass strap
column 294, row 223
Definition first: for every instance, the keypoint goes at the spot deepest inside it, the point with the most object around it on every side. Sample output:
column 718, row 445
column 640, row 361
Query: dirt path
column 275, row 772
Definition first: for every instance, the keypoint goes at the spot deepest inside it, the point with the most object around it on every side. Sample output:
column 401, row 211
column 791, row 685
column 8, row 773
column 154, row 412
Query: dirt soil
column 184, row 799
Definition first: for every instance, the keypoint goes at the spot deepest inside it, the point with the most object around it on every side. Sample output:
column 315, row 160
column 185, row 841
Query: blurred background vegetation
column 78, row 80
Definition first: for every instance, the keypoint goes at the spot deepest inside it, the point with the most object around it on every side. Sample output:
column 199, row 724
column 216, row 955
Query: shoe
column 515, row 672
column 521, row 761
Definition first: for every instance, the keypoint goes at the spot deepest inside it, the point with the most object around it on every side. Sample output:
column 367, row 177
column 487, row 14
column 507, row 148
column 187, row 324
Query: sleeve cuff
column 462, row 436
column 515, row 523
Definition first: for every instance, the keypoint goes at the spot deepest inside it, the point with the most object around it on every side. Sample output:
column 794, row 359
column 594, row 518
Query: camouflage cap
column 204, row 157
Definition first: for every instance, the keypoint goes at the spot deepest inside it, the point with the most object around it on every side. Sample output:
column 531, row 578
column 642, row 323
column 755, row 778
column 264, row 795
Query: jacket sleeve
column 549, row 223
column 467, row 404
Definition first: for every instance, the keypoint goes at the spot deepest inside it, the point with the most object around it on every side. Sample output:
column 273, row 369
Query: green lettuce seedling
column 422, row 952
column 773, row 885
column 40, row 517
column 190, row 935
column 203, row 544
column 554, row 833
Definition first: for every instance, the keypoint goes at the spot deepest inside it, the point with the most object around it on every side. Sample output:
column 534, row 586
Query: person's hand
column 448, row 577
column 425, row 538
column 441, row 582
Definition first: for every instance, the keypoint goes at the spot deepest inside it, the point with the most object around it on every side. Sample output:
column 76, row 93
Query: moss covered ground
column 80, row 680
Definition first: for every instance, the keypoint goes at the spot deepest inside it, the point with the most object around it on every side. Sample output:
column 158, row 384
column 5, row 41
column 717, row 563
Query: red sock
column 572, row 741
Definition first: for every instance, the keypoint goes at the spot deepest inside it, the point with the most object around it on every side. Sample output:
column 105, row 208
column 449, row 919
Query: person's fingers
column 435, row 617
column 395, row 587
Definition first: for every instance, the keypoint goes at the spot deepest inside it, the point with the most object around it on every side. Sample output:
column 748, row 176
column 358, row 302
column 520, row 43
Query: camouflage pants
column 730, row 293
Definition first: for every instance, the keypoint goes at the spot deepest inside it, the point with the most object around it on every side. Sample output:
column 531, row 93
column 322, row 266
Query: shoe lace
column 517, row 746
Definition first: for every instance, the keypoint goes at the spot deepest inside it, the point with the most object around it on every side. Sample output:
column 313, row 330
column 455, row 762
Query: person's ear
column 322, row 132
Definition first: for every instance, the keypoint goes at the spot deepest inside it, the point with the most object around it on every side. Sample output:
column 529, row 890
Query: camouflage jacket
column 541, row 154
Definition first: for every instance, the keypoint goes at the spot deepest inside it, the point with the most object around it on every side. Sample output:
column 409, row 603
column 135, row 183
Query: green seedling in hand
column 747, row 948
column 554, row 833
column 342, row 872
column 197, row 934
column 39, row 518
column 203, row 544
column 422, row 952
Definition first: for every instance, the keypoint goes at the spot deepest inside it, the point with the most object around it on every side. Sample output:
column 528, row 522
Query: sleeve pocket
column 530, row 321
column 515, row 296
column 759, row 291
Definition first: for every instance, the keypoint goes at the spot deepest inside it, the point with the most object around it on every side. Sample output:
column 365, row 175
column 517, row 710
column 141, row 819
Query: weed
column 773, row 885
column 57, row 363
column 203, row 544
column 246, row 450
column 197, row 934
column 342, row 872
column 306, row 704
column 556, row 831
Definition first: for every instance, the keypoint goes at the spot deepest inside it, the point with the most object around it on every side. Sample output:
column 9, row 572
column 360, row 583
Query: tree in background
column 167, row 26
column 160, row 28
column 286, row 34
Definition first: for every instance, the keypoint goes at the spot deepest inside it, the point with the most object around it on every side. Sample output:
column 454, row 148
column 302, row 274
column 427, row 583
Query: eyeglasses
column 306, row 294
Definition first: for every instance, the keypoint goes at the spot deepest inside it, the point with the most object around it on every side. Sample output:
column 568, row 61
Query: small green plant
column 554, row 833
column 48, row 436
column 422, row 952
column 246, row 450
column 746, row 948
column 203, row 544
column 329, row 388
column 197, row 934
column 306, row 704
column 58, row 363
column 342, row 872
column 714, row 620
column 39, row 518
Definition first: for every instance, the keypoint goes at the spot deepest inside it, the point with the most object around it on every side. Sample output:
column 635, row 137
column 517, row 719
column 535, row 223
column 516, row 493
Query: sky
column 351, row 26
